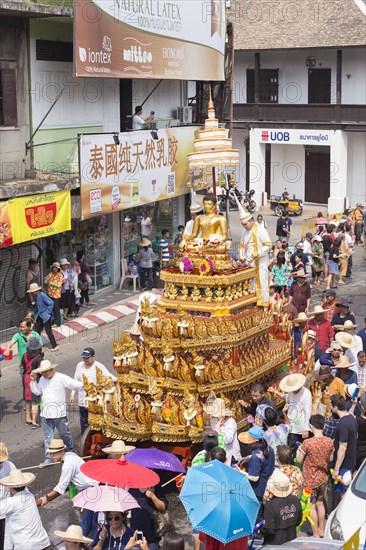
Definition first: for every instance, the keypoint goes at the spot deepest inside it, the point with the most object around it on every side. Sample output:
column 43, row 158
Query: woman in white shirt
column 146, row 225
column 222, row 421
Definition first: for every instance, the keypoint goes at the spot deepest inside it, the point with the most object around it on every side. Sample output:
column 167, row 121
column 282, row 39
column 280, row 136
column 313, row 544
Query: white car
column 350, row 513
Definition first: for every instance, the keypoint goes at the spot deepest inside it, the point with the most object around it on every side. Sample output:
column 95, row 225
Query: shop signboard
column 175, row 39
column 120, row 171
column 6, row 238
column 36, row 216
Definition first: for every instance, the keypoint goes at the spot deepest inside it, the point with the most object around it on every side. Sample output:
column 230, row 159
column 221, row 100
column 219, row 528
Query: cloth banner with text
column 37, row 216
column 179, row 39
column 138, row 170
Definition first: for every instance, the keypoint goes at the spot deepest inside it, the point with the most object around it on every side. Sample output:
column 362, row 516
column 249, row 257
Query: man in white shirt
column 308, row 251
column 139, row 123
column 23, row 526
column 87, row 367
column 70, row 473
column 298, row 407
column 52, row 386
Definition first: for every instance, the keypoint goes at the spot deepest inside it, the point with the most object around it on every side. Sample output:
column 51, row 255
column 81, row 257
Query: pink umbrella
column 104, row 498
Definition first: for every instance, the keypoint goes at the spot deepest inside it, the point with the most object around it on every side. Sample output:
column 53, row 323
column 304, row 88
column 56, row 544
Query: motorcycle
column 231, row 198
column 249, row 204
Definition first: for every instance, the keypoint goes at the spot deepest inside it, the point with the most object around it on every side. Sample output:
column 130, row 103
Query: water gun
column 306, row 500
column 339, row 478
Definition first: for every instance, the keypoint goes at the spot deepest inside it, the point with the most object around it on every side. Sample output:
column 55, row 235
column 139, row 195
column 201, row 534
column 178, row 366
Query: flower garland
column 206, row 266
column 186, row 265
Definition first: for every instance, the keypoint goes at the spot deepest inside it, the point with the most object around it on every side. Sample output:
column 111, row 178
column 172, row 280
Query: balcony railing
column 280, row 112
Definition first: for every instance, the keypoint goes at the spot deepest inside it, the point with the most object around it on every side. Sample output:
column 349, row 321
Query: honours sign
column 179, row 39
column 138, row 170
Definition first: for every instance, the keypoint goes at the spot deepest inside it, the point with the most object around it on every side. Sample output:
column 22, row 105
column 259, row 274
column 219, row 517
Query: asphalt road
column 26, row 445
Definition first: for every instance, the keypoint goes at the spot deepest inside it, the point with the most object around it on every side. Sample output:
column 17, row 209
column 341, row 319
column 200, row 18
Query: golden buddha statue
column 209, row 223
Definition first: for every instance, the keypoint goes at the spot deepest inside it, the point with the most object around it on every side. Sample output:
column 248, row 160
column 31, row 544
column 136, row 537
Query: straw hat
column 318, row 310
column 292, row 382
column 73, row 533
column 301, row 318
column 279, row 484
column 4, row 455
column 33, row 287
column 347, row 325
column 44, row 366
column 64, row 261
column 56, row 446
column 144, row 242
column 118, row 447
column 344, row 363
column 317, row 238
column 346, row 340
column 301, row 273
column 350, row 388
column 334, row 346
column 17, row 478
column 217, row 409
column 56, row 264
column 254, row 434
column 33, row 344
column 324, row 374
column 195, row 206
column 311, row 333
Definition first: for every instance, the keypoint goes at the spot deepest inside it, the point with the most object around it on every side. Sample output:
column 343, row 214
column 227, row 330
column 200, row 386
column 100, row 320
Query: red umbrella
column 120, row 473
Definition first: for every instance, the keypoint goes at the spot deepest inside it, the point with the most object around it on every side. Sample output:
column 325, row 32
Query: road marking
column 105, row 316
column 124, row 309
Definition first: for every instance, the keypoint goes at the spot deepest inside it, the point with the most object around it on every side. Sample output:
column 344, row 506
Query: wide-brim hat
column 145, row 242
column 33, row 344
column 350, row 389
column 4, row 455
column 292, row 382
column 317, row 238
column 324, row 373
column 302, row 318
column 17, row 478
column 217, row 408
column 279, row 484
column 73, row 533
column 56, row 264
column 344, row 363
column 334, row 346
column 346, row 340
column 118, row 447
column 254, row 434
column 56, row 446
column 348, row 324
column 318, row 310
column 64, row 261
column 311, row 333
column 300, row 274
column 44, row 366
column 33, row 287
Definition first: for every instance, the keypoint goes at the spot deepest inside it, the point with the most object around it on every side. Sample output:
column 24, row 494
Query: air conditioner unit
column 184, row 114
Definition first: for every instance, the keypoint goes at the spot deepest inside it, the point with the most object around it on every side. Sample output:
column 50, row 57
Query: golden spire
column 211, row 107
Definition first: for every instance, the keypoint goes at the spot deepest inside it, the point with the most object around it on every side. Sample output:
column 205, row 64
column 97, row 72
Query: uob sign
column 275, row 136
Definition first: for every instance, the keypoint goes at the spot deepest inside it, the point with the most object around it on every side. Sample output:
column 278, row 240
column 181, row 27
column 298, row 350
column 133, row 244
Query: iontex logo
column 104, row 56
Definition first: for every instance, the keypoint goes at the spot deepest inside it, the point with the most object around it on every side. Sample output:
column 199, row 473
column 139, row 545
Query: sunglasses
column 115, row 518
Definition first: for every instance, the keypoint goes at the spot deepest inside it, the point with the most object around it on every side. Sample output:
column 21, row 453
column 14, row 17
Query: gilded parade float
column 204, row 338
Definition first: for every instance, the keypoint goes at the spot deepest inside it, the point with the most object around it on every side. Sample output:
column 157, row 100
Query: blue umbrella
column 155, row 459
column 219, row 501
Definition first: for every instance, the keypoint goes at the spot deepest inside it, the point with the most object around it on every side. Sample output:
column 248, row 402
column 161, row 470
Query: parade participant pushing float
column 205, row 338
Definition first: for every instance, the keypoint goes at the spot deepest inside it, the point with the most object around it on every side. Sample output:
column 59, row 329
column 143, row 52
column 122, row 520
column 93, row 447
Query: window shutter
column 8, row 87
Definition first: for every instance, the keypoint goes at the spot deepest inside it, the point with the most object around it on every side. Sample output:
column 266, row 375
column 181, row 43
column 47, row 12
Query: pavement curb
column 97, row 318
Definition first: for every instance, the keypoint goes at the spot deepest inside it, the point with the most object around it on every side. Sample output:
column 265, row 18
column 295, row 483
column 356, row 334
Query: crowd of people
column 316, row 438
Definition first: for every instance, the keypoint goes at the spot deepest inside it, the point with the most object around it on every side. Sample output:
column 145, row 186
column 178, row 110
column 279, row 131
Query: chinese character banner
column 37, row 216
column 181, row 39
column 137, row 171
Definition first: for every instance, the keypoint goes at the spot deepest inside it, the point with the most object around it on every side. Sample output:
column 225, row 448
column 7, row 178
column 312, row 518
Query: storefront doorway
column 317, row 174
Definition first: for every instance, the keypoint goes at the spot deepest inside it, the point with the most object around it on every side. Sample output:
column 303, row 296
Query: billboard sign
column 178, row 39
column 120, row 171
